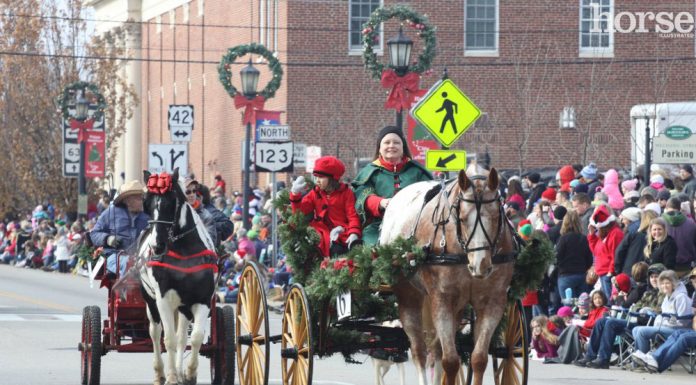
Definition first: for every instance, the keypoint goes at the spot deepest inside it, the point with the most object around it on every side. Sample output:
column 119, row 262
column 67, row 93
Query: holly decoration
column 225, row 74
column 92, row 94
column 413, row 19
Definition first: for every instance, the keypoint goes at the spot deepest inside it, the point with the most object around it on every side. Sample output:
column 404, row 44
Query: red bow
column 404, row 89
column 341, row 263
column 159, row 184
column 250, row 106
column 83, row 126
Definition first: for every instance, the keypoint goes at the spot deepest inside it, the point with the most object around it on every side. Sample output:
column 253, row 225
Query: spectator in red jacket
column 333, row 205
column 604, row 236
column 598, row 306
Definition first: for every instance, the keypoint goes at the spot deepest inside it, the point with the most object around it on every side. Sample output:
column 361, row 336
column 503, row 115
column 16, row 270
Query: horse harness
column 464, row 241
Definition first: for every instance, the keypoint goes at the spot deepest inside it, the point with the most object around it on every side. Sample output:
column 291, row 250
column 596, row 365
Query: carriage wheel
column 252, row 329
column 222, row 361
column 90, row 346
column 297, row 355
column 513, row 367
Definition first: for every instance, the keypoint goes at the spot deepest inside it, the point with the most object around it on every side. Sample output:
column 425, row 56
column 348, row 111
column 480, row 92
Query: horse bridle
column 478, row 203
column 171, row 238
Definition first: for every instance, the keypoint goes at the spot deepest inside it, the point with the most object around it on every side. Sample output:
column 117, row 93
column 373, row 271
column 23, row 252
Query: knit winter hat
column 583, row 301
column 687, row 168
column 524, row 229
column 657, row 182
column 629, row 185
column 611, row 188
column 566, row 174
column 565, row 311
column 533, row 177
column 663, row 195
column 632, row 214
column 589, row 172
column 654, row 206
column 549, row 194
column 631, row 196
column 559, row 213
column 623, row 282
column 601, row 217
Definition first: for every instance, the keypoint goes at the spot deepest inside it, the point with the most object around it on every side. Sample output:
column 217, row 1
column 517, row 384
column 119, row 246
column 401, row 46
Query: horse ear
column 493, row 179
column 175, row 174
column 146, row 176
column 463, row 180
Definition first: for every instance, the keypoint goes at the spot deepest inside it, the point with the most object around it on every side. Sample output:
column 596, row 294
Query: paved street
column 40, row 329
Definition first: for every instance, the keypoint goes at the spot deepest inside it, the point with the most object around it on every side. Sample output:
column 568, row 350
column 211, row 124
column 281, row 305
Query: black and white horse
column 177, row 276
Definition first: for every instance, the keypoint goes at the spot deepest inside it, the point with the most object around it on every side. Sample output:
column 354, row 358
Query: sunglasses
column 190, row 192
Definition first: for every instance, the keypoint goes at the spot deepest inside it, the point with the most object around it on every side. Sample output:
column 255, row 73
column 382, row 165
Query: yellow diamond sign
column 445, row 160
column 446, row 112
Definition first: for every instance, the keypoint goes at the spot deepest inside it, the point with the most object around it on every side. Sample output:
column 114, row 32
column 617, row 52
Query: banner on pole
column 94, row 154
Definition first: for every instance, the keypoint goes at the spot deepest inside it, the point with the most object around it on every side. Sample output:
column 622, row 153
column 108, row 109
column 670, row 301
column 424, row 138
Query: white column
column 132, row 140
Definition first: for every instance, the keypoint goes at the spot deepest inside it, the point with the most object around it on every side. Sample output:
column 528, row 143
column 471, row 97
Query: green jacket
column 375, row 179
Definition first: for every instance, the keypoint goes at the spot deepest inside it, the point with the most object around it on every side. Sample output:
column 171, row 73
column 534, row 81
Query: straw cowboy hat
column 127, row 189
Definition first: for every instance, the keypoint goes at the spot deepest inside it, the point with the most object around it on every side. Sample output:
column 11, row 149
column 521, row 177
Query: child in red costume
column 333, row 206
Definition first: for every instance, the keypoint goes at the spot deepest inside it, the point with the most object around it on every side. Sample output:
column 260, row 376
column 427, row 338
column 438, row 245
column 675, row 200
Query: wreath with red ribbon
column 159, row 183
column 95, row 98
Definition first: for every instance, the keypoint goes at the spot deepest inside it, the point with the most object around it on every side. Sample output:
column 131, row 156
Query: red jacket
column 330, row 210
column 604, row 250
column 592, row 318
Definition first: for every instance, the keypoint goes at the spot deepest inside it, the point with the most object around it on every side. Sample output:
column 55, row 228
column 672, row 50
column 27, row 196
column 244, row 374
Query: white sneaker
column 650, row 361
column 638, row 357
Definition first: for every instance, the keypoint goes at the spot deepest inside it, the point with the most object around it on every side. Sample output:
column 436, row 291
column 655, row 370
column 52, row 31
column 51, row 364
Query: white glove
column 113, row 241
column 298, row 185
column 351, row 238
column 335, row 232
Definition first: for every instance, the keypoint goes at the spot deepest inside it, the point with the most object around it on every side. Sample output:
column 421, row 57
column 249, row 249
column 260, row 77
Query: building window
column 596, row 28
column 186, row 13
column 481, row 27
column 359, row 12
column 158, row 24
column 201, row 6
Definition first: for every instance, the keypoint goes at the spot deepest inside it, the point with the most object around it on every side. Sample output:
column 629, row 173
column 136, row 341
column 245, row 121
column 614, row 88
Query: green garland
column 530, row 265
column 68, row 96
column 233, row 53
column 371, row 34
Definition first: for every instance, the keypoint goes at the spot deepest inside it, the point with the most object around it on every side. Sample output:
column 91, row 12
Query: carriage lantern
column 400, row 52
column 250, row 79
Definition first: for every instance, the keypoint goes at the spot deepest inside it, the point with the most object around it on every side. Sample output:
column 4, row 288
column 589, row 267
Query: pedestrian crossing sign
column 445, row 160
column 446, row 112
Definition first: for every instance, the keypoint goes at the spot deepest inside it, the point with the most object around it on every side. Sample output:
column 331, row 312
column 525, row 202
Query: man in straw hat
column 119, row 226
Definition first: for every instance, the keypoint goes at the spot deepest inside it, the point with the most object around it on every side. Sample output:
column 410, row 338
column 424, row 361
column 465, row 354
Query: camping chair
column 688, row 359
column 627, row 344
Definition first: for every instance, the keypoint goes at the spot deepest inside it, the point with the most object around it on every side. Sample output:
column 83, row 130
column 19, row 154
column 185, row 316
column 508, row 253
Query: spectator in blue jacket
column 119, row 226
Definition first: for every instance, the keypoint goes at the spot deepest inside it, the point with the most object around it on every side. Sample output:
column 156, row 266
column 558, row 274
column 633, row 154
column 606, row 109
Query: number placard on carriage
column 180, row 121
column 446, row 112
column 343, row 305
column 273, row 156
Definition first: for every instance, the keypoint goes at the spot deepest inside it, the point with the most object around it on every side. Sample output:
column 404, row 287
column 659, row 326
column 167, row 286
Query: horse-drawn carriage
column 312, row 327
column 463, row 283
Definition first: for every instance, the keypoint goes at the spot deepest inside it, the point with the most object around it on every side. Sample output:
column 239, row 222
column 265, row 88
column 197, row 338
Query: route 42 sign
column 180, row 121
column 274, row 156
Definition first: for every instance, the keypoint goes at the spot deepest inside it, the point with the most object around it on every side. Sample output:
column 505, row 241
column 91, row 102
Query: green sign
column 678, row 132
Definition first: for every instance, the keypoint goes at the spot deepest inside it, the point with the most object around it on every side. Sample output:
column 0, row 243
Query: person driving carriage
column 392, row 169
column 119, row 226
column 333, row 205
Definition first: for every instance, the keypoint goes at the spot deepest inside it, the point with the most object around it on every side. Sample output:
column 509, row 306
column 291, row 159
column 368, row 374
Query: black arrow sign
column 181, row 133
column 174, row 158
column 442, row 162
column 156, row 155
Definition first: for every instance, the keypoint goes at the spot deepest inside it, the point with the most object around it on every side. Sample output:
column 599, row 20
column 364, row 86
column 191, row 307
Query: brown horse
column 470, row 261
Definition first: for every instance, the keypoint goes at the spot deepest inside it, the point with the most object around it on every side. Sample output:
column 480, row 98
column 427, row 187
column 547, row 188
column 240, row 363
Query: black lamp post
column 250, row 80
column 646, row 171
column 399, row 58
column 81, row 110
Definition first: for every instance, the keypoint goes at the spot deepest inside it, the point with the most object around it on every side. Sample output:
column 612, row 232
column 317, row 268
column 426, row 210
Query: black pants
column 63, row 266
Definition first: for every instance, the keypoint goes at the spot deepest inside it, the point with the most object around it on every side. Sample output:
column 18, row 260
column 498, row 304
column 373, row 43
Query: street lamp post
column 81, row 110
column 250, row 80
column 399, row 58
column 646, row 171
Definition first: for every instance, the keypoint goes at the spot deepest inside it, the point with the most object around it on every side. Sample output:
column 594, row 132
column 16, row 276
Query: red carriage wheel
column 90, row 346
column 222, row 360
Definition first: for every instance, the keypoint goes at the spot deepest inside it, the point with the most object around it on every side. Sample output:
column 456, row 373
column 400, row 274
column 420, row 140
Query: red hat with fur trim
column 601, row 217
column 329, row 166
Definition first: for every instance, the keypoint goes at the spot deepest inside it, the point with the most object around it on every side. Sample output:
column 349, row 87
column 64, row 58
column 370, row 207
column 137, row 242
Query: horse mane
column 198, row 222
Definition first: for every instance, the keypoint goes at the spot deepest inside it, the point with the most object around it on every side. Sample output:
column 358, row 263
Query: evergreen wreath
column 371, row 35
column 233, row 53
column 66, row 98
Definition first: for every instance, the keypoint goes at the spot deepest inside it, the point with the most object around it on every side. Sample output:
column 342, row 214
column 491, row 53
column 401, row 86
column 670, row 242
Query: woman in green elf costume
column 392, row 170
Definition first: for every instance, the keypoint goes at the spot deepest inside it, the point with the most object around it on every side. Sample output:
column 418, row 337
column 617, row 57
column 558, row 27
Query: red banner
column 94, row 154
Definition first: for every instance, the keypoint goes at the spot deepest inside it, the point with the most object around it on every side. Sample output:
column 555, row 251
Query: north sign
column 445, row 160
column 446, row 112
column 273, row 133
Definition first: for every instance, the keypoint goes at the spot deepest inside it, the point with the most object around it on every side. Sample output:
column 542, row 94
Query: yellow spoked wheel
column 252, row 328
column 297, row 355
column 512, row 367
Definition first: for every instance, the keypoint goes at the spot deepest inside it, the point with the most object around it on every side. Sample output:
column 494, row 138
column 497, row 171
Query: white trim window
column 481, row 25
column 596, row 37
column 359, row 12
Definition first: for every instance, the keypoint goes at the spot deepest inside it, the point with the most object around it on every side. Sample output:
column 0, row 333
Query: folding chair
column 688, row 359
column 627, row 344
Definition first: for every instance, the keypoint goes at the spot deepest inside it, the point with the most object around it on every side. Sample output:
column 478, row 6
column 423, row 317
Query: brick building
column 525, row 64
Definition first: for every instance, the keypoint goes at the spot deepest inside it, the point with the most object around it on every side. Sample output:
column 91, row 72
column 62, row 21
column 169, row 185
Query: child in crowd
column 566, row 314
column 583, row 305
column 544, row 342
column 62, row 251
column 333, row 205
column 598, row 306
